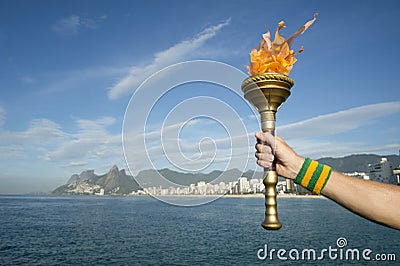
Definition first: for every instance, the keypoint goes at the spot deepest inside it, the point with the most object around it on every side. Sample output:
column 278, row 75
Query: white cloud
column 95, row 125
column 73, row 24
column 11, row 151
column 67, row 26
column 338, row 122
column 329, row 148
column 315, row 137
column 40, row 131
column 174, row 54
column 40, row 135
column 75, row 164
column 92, row 141
column 80, row 78
column 45, row 139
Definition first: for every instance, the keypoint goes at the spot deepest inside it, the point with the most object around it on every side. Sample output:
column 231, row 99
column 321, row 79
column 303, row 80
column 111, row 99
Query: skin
column 372, row 200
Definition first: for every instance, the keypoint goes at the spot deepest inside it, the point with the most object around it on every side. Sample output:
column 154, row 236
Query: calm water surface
column 143, row 231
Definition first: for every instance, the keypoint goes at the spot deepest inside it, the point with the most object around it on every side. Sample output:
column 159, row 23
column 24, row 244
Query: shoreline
column 239, row 196
column 258, row 195
column 278, row 196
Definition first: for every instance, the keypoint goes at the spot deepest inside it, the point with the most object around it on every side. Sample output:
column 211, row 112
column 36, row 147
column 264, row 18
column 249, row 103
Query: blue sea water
column 84, row 230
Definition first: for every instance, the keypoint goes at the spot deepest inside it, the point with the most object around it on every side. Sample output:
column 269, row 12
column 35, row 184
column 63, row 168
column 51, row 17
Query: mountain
column 352, row 163
column 85, row 175
column 115, row 181
column 358, row 162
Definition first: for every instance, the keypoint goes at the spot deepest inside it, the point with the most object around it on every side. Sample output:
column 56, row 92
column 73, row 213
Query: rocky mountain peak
column 85, row 175
column 122, row 172
column 113, row 173
column 73, row 179
column 115, row 181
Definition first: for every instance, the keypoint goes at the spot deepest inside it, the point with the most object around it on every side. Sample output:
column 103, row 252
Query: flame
column 276, row 56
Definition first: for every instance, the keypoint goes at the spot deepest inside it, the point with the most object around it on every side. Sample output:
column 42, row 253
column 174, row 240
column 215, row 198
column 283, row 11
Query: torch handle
column 271, row 221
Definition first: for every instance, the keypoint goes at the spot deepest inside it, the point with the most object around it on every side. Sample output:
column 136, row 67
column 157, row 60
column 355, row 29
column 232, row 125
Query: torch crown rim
column 268, row 76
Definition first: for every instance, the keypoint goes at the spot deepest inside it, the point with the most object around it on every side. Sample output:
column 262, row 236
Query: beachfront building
column 256, row 185
column 381, row 172
column 360, row 175
column 289, row 184
column 201, row 187
column 396, row 173
column 243, row 185
column 281, row 186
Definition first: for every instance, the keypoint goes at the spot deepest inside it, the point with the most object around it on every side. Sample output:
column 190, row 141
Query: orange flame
column 276, row 56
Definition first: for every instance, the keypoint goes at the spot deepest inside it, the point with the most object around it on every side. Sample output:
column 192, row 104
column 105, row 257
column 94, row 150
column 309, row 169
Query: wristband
column 313, row 175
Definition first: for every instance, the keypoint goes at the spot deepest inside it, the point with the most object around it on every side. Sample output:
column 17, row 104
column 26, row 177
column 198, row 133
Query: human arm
column 372, row 200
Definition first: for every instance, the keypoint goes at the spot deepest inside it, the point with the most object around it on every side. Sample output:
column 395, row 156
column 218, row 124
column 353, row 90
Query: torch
column 267, row 92
column 267, row 89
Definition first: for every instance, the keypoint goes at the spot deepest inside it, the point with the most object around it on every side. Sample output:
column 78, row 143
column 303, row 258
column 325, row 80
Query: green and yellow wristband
column 313, row 175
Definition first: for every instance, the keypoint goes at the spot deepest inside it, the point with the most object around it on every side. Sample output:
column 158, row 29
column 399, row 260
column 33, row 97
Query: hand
column 288, row 162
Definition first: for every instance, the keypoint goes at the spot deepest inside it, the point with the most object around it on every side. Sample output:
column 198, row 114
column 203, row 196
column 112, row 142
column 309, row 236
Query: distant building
column 243, row 185
column 360, row 175
column 281, row 186
column 289, row 184
column 235, row 188
column 201, row 187
column 100, row 193
column 396, row 173
column 381, row 172
column 255, row 185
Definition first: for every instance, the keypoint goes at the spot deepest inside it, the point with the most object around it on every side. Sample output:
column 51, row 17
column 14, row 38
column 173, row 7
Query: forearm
column 375, row 201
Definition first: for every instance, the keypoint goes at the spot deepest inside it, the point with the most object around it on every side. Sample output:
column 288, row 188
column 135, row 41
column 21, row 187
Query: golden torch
column 267, row 89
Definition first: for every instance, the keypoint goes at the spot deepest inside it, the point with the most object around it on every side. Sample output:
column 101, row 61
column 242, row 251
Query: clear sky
column 69, row 68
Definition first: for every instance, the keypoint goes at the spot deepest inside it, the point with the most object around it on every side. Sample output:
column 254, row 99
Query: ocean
column 89, row 230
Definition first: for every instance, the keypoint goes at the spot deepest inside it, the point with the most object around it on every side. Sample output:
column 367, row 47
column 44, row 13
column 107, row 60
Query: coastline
column 278, row 196
column 258, row 195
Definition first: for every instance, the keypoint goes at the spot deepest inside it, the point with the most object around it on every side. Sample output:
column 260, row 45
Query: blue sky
column 69, row 68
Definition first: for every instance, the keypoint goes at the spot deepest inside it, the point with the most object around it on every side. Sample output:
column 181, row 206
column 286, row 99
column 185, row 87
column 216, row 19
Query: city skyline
column 88, row 183
column 69, row 70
